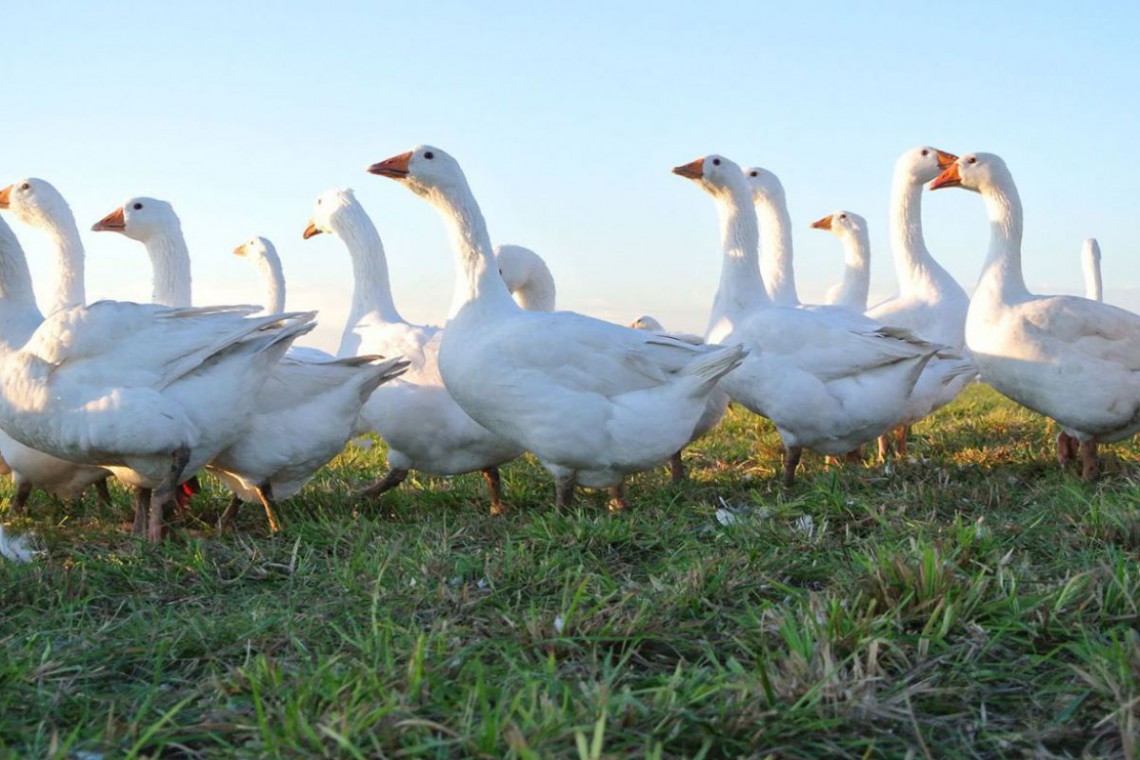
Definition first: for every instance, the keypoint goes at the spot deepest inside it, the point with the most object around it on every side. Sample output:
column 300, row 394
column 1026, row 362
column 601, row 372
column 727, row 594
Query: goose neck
column 741, row 287
column 69, row 285
column 372, row 290
column 15, row 277
column 1001, row 274
column 857, row 271
column 1094, row 287
column 274, row 278
column 170, row 261
column 537, row 293
column 911, row 257
column 776, row 249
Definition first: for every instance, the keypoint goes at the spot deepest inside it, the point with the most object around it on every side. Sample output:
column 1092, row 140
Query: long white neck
column 64, row 234
column 270, row 267
column 478, row 283
column 371, row 289
column 15, row 278
column 776, row 248
column 170, row 260
column 1090, row 262
column 913, row 262
column 741, row 284
column 1001, row 276
column 857, row 272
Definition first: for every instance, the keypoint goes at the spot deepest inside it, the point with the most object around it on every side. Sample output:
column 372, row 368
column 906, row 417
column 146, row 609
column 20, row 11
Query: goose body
column 830, row 380
column 304, row 411
column 851, row 229
column 424, row 427
column 594, row 401
column 1069, row 358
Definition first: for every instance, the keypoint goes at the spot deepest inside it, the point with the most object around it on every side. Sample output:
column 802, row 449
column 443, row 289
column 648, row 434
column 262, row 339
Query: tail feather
column 710, row 366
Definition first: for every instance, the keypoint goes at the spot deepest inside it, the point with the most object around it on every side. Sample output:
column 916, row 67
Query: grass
column 972, row 602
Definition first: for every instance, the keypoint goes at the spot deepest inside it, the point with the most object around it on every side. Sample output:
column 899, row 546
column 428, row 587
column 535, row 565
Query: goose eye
column 26, row 186
column 843, row 216
column 429, row 155
column 137, row 206
column 925, row 152
column 753, row 174
column 716, row 162
column 972, row 160
column 320, row 201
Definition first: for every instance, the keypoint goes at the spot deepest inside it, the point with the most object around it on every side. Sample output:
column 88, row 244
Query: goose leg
column 901, row 434
column 394, row 478
column 854, row 456
column 185, row 493
column 164, row 494
column 227, row 517
column 142, row 504
column 265, row 493
column 884, row 446
column 564, row 492
column 102, row 492
column 1067, row 448
column 1090, row 466
column 792, row 456
column 18, row 505
column 677, row 468
column 495, row 489
column 617, row 498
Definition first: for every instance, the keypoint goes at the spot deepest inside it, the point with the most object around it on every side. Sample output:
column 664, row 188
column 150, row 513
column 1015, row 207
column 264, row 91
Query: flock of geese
column 155, row 393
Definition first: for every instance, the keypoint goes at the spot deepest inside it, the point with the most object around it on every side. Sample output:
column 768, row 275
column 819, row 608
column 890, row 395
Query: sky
column 567, row 120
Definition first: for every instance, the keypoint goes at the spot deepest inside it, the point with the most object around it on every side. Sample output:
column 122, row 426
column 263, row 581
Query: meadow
column 971, row 601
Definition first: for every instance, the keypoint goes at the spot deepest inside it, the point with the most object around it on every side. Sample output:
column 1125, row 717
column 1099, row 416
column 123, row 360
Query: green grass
column 972, row 602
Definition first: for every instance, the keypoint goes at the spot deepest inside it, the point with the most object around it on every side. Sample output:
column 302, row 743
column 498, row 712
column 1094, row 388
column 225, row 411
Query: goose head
column 765, row 185
column 256, row 248
column 424, row 170
column 979, row 172
column 33, row 201
column 329, row 210
column 842, row 224
column 646, row 322
column 714, row 173
column 923, row 163
column 140, row 219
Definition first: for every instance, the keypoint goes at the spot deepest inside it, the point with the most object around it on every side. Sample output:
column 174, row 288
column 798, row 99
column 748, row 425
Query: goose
column 771, row 207
column 715, row 406
column 830, row 380
column 304, row 412
column 593, row 401
column 527, row 277
column 36, row 202
column 1090, row 265
column 264, row 256
column 851, row 229
column 1072, row 359
column 424, row 427
column 929, row 303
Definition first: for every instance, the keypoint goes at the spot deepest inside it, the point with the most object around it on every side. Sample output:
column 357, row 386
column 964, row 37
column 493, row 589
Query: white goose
column 36, row 202
column 715, row 406
column 830, row 380
column 1072, row 359
column 527, row 276
column 424, row 428
column 930, row 303
column 1090, row 266
column 303, row 414
column 592, row 400
column 851, row 229
column 776, row 268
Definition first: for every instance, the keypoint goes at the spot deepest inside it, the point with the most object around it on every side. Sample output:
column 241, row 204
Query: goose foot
column 227, row 518
column 884, row 447
column 676, row 468
column 163, row 496
column 563, row 493
column 394, row 478
column 617, row 498
column 495, row 490
column 1067, row 449
column 1090, row 465
column 102, row 492
column 141, row 502
column 265, row 493
column 792, row 456
column 18, row 505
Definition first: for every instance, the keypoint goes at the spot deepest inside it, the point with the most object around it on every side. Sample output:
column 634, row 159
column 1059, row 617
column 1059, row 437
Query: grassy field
column 971, row 602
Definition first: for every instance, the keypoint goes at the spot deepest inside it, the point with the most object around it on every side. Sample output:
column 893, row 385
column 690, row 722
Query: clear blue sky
column 567, row 121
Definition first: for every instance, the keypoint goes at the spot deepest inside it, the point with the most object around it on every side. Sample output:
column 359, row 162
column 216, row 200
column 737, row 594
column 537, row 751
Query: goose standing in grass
column 1090, row 266
column 424, row 427
column 37, row 203
column 830, row 380
column 929, row 303
column 304, row 412
column 527, row 277
column 851, row 229
column 715, row 406
column 594, row 401
column 1069, row 358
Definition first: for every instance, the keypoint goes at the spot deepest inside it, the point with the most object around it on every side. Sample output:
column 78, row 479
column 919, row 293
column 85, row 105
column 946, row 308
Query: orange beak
column 395, row 167
column 944, row 158
column 948, row 178
column 691, row 170
column 112, row 222
column 310, row 231
column 824, row 223
column 4, row 196
column 240, row 250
